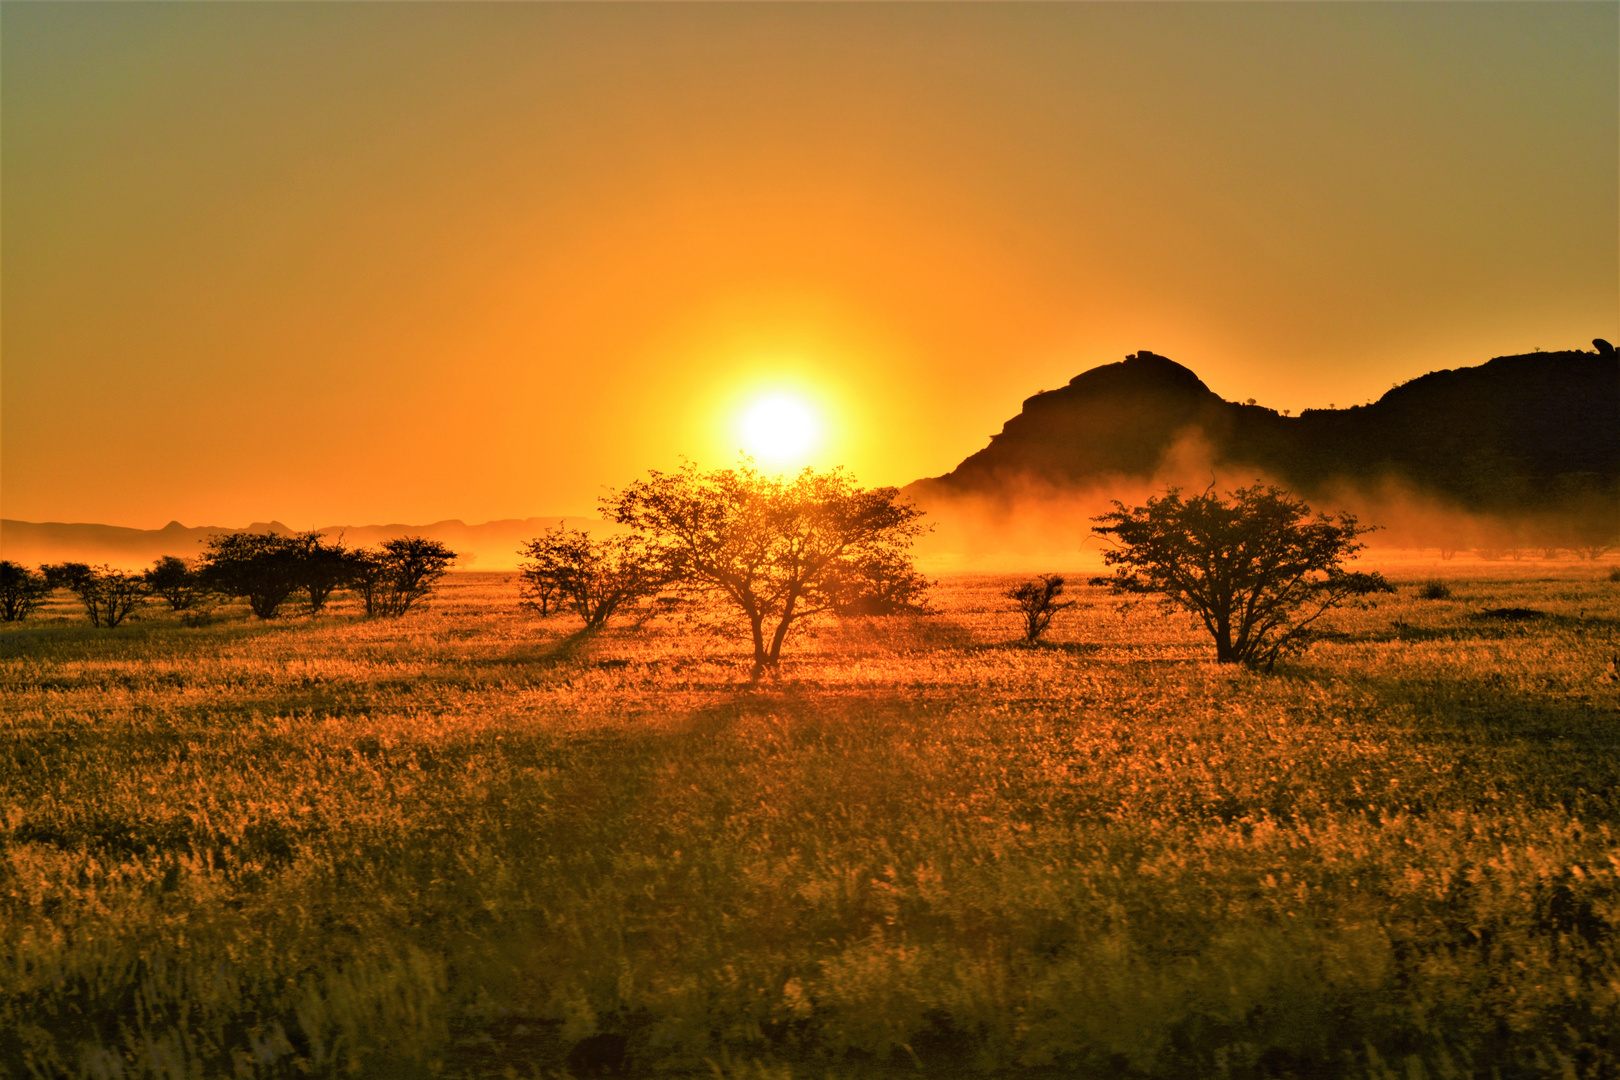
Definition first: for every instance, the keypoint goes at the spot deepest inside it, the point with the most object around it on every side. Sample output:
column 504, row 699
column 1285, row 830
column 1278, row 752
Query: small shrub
column 1614, row 573
column 1434, row 589
column 1513, row 614
column 1037, row 601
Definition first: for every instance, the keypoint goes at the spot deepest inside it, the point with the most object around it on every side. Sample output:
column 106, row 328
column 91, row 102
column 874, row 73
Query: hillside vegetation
column 470, row 843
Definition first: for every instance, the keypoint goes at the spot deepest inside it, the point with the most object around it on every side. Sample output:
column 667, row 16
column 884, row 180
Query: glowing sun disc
column 779, row 428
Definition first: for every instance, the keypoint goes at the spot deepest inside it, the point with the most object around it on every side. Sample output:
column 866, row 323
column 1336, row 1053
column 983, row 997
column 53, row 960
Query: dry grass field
column 470, row 843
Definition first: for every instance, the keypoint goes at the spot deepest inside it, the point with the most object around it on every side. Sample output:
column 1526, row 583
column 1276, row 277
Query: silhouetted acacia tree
column 396, row 575
column 65, row 575
column 1037, row 601
column 593, row 578
column 21, row 590
column 262, row 568
column 367, row 578
column 321, row 566
column 177, row 581
column 779, row 549
column 1256, row 567
column 539, row 590
column 109, row 596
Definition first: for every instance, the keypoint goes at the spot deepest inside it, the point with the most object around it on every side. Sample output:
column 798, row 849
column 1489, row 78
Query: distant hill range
column 492, row 545
column 1518, row 435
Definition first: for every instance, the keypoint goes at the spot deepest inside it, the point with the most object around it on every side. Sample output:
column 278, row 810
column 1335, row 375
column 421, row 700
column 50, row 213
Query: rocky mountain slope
column 1518, row 434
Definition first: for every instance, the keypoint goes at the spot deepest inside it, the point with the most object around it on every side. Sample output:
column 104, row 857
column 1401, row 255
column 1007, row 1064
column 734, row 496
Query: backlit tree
column 1256, row 567
column 176, row 580
column 109, row 596
column 21, row 590
column 779, row 549
column 1036, row 600
column 397, row 574
column 262, row 568
column 564, row 567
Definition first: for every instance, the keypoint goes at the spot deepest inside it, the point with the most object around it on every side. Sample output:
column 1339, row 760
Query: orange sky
column 368, row 263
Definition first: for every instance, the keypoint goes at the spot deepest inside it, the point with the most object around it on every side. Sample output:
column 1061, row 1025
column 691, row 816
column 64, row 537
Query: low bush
column 1434, row 589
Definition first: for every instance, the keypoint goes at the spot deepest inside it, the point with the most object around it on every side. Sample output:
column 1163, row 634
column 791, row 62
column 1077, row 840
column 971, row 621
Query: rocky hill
column 1519, row 434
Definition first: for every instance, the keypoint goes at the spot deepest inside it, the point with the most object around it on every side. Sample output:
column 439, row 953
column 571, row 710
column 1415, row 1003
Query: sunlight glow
column 780, row 428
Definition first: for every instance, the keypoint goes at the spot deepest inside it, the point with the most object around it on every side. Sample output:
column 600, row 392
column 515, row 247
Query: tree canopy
column 262, row 568
column 778, row 548
column 21, row 590
column 1256, row 567
column 398, row 574
column 564, row 567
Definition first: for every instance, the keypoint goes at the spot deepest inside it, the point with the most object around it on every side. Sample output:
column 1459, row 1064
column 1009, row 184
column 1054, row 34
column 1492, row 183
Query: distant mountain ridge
column 491, row 545
column 1518, row 434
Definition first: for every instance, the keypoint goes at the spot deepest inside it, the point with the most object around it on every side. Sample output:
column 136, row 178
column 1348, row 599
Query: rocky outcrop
column 1519, row 433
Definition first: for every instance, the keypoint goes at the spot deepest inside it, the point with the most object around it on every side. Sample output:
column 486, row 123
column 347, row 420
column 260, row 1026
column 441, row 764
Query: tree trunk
column 756, row 621
column 782, row 628
column 776, row 639
column 1223, row 639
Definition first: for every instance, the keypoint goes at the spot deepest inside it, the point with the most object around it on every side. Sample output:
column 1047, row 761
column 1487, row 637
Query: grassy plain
column 471, row 843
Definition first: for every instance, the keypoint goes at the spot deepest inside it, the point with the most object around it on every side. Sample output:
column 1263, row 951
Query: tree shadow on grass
column 1496, row 624
column 1501, row 744
column 894, row 633
column 81, row 641
column 569, row 649
column 1067, row 648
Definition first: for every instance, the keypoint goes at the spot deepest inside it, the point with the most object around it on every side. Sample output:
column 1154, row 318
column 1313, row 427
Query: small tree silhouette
column 319, row 567
column 1037, row 600
column 565, row 567
column 1256, row 567
column 177, row 581
column 395, row 576
column 21, row 590
column 262, row 568
column 881, row 582
column 109, row 596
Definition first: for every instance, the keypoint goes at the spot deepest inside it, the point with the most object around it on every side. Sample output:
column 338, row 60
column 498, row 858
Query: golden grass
column 471, row 843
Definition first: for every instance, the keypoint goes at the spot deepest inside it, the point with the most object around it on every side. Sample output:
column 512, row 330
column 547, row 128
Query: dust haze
column 1030, row 525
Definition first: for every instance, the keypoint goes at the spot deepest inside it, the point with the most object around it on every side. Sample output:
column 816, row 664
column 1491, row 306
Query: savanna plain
column 469, row 842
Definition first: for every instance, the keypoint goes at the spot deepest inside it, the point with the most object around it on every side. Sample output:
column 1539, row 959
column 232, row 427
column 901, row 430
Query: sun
column 779, row 428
